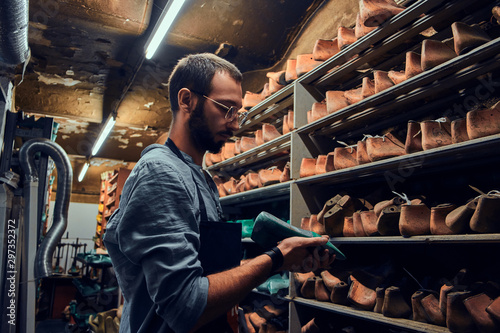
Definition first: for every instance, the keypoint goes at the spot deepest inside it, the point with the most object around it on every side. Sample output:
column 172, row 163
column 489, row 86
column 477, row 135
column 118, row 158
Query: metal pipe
column 44, row 254
column 14, row 31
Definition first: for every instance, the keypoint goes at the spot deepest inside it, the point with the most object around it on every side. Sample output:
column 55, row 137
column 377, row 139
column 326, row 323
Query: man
column 153, row 238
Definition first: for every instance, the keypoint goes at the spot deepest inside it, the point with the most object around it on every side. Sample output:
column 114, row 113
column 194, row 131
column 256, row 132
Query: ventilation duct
column 44, row 254
column 14, row 31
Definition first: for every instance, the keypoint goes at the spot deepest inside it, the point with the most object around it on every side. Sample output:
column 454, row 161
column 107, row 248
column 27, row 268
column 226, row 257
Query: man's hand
column 301, row 254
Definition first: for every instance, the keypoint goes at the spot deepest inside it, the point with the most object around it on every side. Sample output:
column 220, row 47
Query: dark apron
column 220, row 248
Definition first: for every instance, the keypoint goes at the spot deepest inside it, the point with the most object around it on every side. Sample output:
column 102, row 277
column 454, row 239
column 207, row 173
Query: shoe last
column 285, row 128
column 458, row 318
column 348, row 229
column 361, row 296
column 379, row 301
column 329, row 204
column 369, row 221
column 324, row 49
column 496, row 13
column 345, row 37
column 413, row 64
column 418, row 311
column 320, row 291
column 307, row 167
column 291, row 72
column 382, row 81
column 395, row 306
column 329, row 279
column 438, row 218
column 354, row 96
column 308, row 288
column 467, row 37
column 247, row 143
column 310, row 327
column 435, row 53
column 344, row 157
column 269, row 132
column 339, row 293
column 443, row 296
column 270, row 176
column 431, row 307
column 315, row 226
column 285, row 175
column 361, row 153
column 414, row 220
column 237, row 146
column 435, row 133
column 485, row 217
column 251, row 99
column 216, row 158
column 397, row 76
column 228, row 150
column 375, row 12
column 484, row 122
column 253, row 181
column 321, row 165
column 306, row 63
column 476, row 305
column 494, row 308
column 360, row 29
column 335, row 100
column 357, row 225
column 208, row 159
column 381, row 147
column 318, row 111
column 458, row 220
column 230, row 186
column 388, row 221
column 333, row 219
column 398, row 201
column 290, row 120
column 259, row 139
column 459, row 130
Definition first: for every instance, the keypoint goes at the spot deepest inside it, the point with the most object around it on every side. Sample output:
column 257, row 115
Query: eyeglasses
column 232, row 112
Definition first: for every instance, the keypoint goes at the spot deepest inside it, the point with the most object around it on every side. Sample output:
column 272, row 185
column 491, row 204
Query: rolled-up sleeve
column 158, row 231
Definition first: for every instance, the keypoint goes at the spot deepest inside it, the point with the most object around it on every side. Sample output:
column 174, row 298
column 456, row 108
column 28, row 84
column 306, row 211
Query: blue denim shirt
column 153, row 242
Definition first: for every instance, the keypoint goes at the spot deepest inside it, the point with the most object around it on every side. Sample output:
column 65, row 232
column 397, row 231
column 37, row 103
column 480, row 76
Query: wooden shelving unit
column 111, row 188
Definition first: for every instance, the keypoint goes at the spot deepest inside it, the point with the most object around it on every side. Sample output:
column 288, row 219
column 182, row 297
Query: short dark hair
column 196, row 72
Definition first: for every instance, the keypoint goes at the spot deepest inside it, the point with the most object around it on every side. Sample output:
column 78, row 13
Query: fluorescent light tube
column 108, row 126
column 171, row 10
column 83, row 172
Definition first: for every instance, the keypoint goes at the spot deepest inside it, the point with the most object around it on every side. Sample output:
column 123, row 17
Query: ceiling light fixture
column 83, row 172
column 167, row 17
column 108, row 126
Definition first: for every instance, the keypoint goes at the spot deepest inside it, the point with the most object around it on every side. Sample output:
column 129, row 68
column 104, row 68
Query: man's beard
column 202, row 137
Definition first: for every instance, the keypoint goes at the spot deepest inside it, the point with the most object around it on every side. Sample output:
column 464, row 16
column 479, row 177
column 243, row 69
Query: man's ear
column 187, row 101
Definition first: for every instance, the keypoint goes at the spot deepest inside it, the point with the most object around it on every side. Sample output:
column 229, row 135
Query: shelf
column 424, row 239
column 111, row 202
column 405, row 324
column 112, row 179
column 265, row 151
column 429, row 83
column 320, row 76
column 444, row 157
column 266, row 192
column 113, row 188
column 267, row 108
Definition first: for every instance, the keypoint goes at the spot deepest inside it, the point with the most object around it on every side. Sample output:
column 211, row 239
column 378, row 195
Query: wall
column 81, row 225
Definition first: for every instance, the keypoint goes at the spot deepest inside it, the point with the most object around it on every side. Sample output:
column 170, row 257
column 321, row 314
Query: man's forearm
column 228, row 288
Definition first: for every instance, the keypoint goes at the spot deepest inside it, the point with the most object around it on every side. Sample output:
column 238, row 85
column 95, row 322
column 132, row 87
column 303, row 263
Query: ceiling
column 87, row 62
